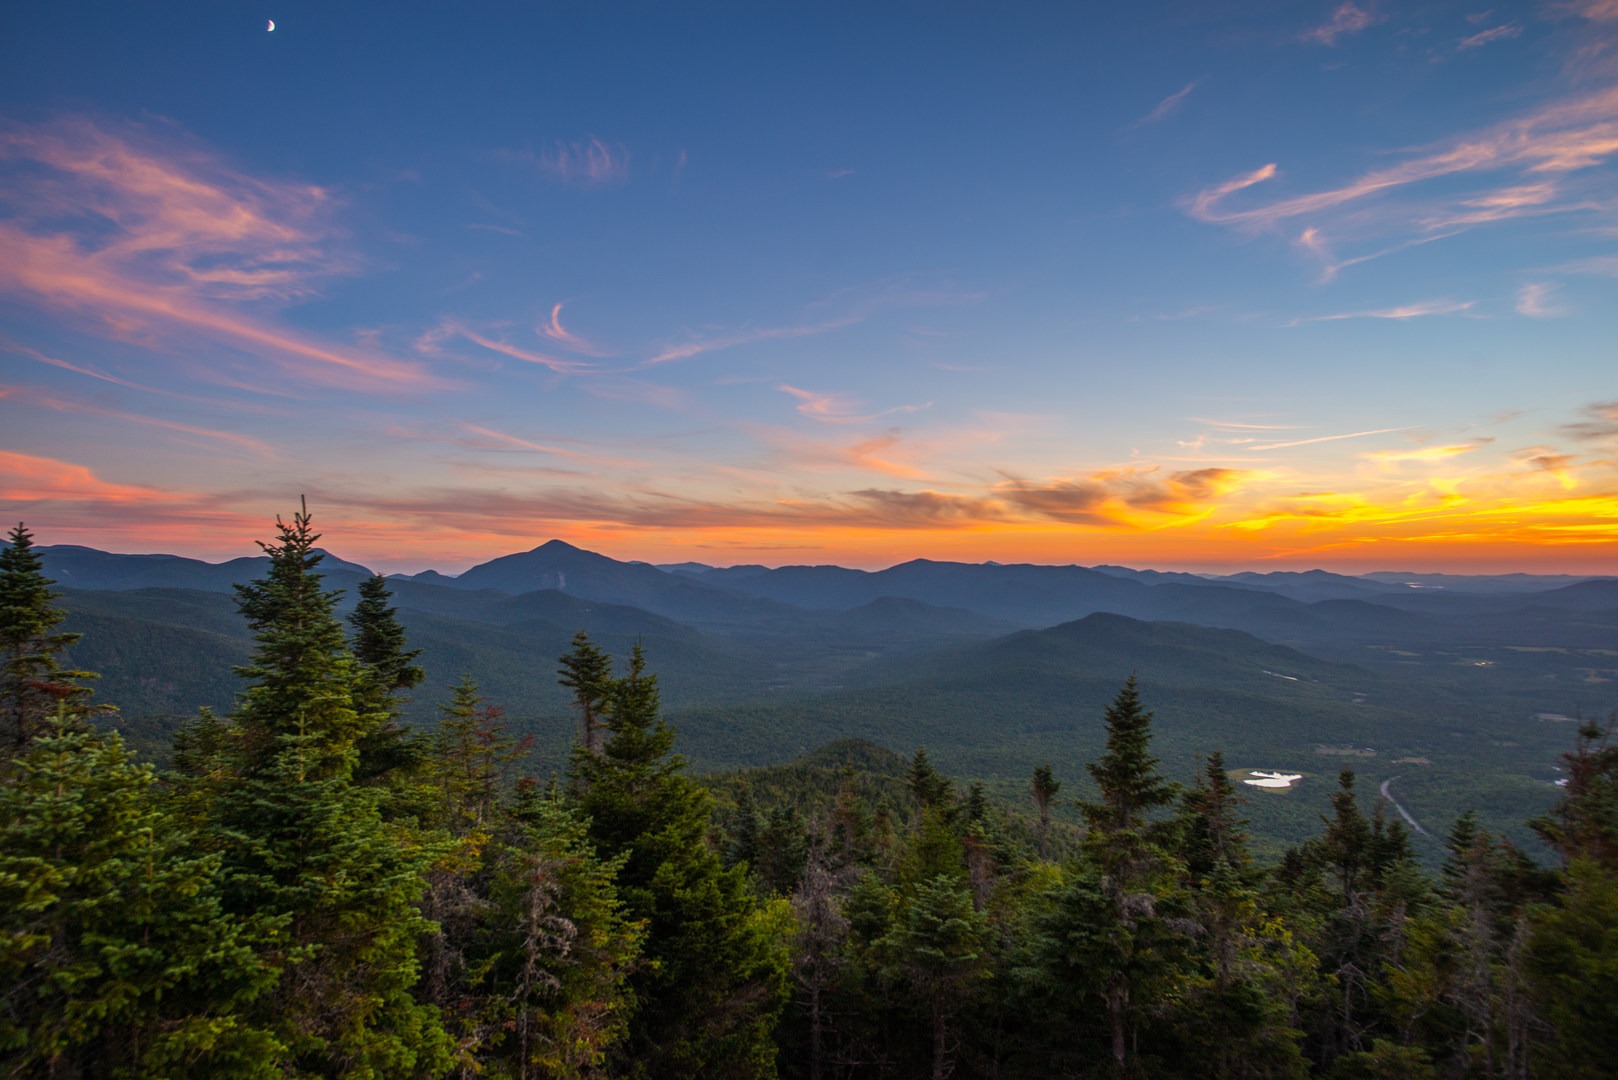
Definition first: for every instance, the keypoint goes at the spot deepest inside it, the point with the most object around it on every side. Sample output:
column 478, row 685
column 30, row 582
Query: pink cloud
column 1169, row 105
column 146, row 239
column 28, row 478
column 1422, row 310
column 450, row 328
column 1529, row 166
column 838, row 408
column 554, row 331
column 1485, row 37
column 1345, row 20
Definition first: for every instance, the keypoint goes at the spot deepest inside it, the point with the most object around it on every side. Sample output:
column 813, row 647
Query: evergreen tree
column 303, row 841
column 384, row 669
column 715, row 973
column 1124, row 837
column 1573, row 944
column 1214, row 835
column 929, row 788
column 559, row 948
column 34, row 687
column 1141, row 958
column 1237, row 1017
column 116, row 957
column 938, row 949
column 587, row 671
column 1044, row 788
column 386, row 666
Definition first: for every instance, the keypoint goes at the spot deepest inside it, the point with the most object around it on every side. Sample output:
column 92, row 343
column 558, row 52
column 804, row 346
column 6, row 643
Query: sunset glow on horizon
column 1267, row 287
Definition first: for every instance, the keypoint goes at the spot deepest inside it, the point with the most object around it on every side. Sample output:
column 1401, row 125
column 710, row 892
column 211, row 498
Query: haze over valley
column 1463, row 687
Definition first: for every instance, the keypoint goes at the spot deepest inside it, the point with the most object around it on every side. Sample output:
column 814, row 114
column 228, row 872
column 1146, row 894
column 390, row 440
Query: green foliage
column 116, row 955
column 34, row 687
column 298, row 899
column 715, row 973
column 587, row 671
column 301, row 840
column 384, row 670
column 1574, row 966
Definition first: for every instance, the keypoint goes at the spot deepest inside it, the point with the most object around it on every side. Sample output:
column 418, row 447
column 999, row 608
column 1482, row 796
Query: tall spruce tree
column 714, row 979
column 1141, row 955
column 117, row 957
column 1573, row 944
column 1044, row 788
column 385, row 670
column 301, row 839
column 34, row 687
column 587, row 671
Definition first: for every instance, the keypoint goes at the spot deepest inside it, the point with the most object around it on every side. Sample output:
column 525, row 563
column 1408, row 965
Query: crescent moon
column 271, row 26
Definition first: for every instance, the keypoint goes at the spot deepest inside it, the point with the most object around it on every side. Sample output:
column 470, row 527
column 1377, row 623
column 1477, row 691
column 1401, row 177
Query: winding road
column 1412, row 822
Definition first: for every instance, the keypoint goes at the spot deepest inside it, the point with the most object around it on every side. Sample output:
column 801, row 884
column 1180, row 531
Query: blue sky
column 1180, row 285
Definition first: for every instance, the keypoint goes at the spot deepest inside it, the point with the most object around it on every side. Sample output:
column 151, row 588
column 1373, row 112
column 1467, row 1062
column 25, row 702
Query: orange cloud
column 26, row 478
column 1424, row 453
column 871, row 454
column 1132, row 498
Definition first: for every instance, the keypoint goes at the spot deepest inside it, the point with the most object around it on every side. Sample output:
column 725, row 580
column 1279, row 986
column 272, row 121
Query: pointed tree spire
column 34, row 687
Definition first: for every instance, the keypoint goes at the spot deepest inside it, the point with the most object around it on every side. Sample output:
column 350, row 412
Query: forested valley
column 313, row 887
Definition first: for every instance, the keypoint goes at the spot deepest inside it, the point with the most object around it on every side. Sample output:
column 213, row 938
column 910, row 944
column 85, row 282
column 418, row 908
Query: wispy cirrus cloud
column 92, row 373
column 1600, row 423
column 1168, row 106
column 1522, row 167
column 1534, row 300
column 1323, row 439
column 589, row 162
column 839, row 408
column 876, row 454
column 1421, row 310
column 555, row 331
column 697, row 346
column 1502, row 32
column 41, row 399
column 137, row 234
column 433, row 342
column 1346, row 20
column 846, row 307
column 1425, row 454
column 490, row 438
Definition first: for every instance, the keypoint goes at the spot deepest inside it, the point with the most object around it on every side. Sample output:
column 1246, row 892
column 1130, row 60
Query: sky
column 1199, row 285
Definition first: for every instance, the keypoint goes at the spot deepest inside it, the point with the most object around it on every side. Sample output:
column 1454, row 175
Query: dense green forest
column 316, row 888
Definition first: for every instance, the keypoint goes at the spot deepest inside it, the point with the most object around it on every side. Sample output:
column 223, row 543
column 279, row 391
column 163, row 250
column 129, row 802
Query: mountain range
column 994, row 667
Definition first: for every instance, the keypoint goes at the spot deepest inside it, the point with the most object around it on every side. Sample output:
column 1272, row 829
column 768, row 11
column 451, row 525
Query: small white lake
column 1262, row 779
